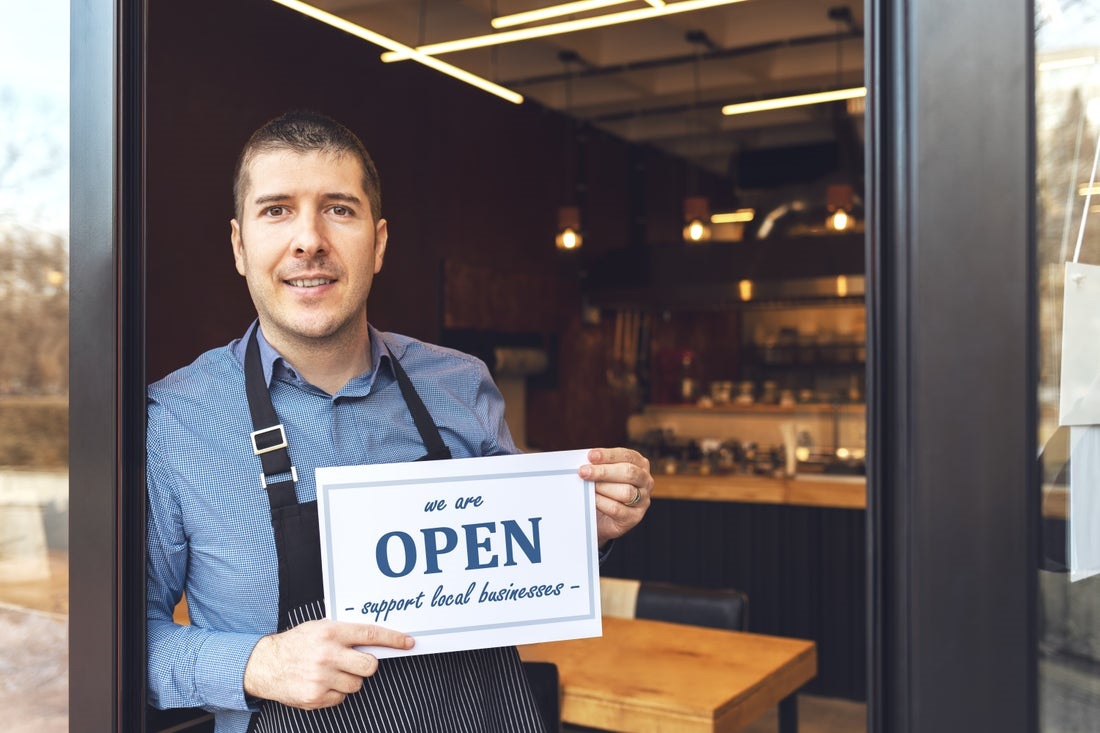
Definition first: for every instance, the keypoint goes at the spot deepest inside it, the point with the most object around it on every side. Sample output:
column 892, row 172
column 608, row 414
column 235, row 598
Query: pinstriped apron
column 483, row 690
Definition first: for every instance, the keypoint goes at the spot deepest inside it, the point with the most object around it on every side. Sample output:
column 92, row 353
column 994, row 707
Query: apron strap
column 268, row 434
column 429, row 431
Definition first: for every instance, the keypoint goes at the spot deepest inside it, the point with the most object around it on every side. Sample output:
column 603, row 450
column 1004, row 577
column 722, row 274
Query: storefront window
column 34, row 365
column 1067, row 98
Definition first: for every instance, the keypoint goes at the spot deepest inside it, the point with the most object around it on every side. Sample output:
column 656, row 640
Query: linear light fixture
column 553, row 11
column 554, row 29
column 733, row 217
column 380, row 40
column 799, row 100
column 1086, row 190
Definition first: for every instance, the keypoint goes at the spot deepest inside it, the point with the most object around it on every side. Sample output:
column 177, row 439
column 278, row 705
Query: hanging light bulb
column 840, row 220
column 696, row 219
column 569, row 217
column 569, row 228
column 839, row 200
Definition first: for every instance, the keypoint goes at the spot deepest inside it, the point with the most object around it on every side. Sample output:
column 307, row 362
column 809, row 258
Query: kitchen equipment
column 745, row 393
column 721, row 392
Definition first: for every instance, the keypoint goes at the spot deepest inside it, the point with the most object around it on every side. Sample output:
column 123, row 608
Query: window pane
column 1067, row 100
column 34, row 365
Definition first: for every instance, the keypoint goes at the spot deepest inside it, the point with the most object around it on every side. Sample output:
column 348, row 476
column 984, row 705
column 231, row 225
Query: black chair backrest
column 543, row 679
column 722, row 608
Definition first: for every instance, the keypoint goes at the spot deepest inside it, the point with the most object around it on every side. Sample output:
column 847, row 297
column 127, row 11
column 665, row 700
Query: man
column 233, row 440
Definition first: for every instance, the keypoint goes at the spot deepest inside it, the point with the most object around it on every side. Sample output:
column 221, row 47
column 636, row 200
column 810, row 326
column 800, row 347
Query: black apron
column 479, row 690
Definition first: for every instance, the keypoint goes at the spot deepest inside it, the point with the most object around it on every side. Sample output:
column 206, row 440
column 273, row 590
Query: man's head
column 306, row 237
column 304, row 132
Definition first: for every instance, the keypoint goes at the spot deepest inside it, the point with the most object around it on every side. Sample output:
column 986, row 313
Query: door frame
column 953, row 502
column 953, row 505
column 107, row 376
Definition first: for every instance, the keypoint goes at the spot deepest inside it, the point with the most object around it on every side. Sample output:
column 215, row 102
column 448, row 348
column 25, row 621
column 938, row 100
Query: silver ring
column 637, row 497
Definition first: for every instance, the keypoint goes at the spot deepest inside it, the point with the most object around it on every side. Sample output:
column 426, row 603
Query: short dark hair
column 305, row 132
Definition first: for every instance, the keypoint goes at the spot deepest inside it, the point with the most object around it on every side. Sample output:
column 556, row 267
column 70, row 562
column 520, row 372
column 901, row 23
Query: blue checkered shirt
column 209, row 522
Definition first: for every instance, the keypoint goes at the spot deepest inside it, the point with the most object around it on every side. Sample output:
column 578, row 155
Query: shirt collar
column 274, row 365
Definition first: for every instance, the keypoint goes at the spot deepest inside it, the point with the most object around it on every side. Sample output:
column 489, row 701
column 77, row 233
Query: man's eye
column 274, row 211
column 341, row 211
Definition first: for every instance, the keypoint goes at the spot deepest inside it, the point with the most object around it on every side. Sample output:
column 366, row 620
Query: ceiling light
column 840, row 200
column 696, row 219
column 569, row 228
column 1086, row 190
column 799, row 100
column 696, row 230
column 380, row 40
column 744, row 289
column 553, row 29
column 839, row 220
column 733, row 217
column 554, row 11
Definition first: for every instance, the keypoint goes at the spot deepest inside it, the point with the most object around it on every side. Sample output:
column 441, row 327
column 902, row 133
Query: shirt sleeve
column 489, row 408
column 187, row 666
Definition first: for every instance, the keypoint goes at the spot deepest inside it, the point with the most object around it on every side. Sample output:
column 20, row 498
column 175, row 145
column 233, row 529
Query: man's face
column 308, row 245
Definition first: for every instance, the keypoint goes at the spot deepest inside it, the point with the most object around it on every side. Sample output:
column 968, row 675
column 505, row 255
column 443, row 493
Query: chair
column 543, row 679
column 718, row 608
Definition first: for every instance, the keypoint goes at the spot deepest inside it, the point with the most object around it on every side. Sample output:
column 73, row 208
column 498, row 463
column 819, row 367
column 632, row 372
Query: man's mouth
column 310, row 282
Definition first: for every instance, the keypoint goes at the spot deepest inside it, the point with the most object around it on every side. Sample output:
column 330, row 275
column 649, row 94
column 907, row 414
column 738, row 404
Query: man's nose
column 309, row 235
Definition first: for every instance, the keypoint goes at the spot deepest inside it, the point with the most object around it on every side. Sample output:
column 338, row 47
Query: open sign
column 462, row 554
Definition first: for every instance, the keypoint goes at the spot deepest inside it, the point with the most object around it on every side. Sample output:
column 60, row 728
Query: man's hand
column 623, row 486
column 314, row 665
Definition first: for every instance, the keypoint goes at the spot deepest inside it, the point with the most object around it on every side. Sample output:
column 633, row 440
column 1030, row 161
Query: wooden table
column 654, row 676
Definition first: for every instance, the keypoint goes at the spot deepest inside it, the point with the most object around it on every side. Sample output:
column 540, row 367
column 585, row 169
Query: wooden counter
column 838, row 492
column 835, row 492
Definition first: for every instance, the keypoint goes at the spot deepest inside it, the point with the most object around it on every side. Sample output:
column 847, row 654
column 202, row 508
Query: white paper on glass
column 1080, row 386
column 462, row 554
column 1084, row 502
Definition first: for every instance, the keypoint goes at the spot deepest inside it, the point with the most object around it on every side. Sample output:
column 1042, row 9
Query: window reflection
column 1068, row 212
column 34, row 368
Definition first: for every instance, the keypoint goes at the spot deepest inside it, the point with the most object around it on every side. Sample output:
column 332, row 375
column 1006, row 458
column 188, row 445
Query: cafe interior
column 639, row 255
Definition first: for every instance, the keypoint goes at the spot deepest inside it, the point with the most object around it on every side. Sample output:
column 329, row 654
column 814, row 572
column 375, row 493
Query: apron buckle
column 274, row 438
column 293, row 475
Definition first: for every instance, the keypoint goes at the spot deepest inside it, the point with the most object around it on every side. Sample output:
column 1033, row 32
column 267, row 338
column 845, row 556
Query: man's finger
column 357, row 663
column 616, row 473
column 351, row 634
column 617, row 455
column 347, row 684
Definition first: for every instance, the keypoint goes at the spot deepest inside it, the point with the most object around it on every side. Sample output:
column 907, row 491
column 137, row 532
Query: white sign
column 462, row 554
column 1080, row 384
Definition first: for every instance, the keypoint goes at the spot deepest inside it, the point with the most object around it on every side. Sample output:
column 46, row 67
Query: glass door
column 1067, row 131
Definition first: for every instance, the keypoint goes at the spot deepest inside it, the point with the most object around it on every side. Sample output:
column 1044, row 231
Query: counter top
column 838, row 492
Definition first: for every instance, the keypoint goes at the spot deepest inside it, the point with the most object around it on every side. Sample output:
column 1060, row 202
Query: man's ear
column 238, row 245
column 381, row 235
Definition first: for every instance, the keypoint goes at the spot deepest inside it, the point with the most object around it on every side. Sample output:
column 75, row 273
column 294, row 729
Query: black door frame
column 107, row 376
column 952, row 507
column 953, row 504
